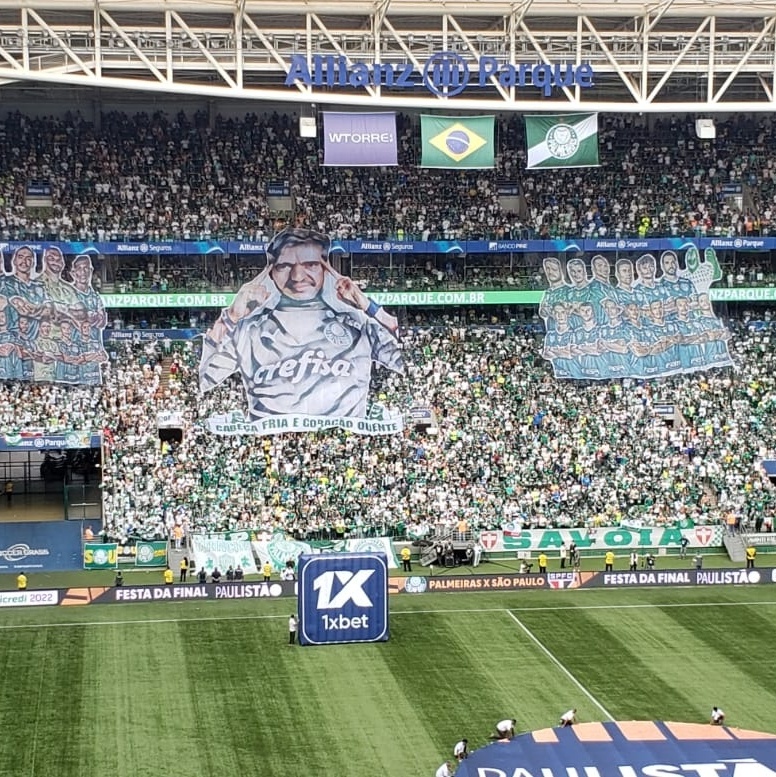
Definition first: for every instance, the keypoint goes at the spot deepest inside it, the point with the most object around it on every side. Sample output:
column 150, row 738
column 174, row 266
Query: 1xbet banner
column 343, row 597
column 655, row 319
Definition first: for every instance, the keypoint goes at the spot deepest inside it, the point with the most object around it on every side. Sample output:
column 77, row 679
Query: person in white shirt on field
column 505, row 729
column 461, row 750
column 444, row 770
column 568, row 718
column 717, row 716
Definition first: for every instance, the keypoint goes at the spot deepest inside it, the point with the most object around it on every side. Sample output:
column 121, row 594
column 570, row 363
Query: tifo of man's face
column 298, row 272
column 54, row 261
column 82, row 273
column 553, row 272
column 576, row 272
column 670, row 266
column 625, row 274
column 23, row 260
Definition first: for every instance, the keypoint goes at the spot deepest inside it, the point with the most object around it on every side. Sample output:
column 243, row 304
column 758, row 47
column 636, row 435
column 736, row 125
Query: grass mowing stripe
column 333, row 710
column 744, row 683
column 39, row 703
column 557, row 663
column 615, row 659
column 451, row 669
column 136, row 697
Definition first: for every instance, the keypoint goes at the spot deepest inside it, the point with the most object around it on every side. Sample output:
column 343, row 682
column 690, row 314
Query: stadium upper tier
column 156, row 177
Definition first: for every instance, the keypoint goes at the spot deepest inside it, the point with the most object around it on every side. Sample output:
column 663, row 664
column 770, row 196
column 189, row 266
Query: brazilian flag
column 458, row 143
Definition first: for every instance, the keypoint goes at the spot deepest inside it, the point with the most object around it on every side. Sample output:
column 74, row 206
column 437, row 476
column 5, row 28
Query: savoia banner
column 513, row 538
column 359, row 139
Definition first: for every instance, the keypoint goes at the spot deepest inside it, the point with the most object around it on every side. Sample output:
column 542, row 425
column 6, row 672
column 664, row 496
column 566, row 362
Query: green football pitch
column 209, row 689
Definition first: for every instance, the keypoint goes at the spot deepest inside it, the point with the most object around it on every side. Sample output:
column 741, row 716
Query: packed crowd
column 513, row 445
column 158, row 177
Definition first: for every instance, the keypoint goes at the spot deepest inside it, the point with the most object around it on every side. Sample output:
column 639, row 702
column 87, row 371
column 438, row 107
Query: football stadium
column 387, row 388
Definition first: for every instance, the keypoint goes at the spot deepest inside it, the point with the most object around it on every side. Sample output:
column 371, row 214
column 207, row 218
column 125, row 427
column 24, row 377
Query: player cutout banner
column 50, row 327
column 643, row 325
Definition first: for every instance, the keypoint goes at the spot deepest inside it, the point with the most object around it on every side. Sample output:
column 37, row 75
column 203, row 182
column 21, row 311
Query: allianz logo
column 737, row 243
column 367, row 246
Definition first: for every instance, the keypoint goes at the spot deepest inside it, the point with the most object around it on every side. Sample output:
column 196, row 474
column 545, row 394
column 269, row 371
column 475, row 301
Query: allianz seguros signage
column 445, row 74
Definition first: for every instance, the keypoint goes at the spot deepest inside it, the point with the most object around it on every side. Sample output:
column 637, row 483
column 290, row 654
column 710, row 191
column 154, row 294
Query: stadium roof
column 677, row 55
column 395, row 8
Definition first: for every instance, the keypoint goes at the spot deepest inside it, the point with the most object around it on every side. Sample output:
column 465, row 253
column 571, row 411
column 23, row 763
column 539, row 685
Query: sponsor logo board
column 343, row 597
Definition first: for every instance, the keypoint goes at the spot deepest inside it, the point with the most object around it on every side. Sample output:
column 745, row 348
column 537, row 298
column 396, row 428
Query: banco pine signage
column 445, row 74
column 343, row 597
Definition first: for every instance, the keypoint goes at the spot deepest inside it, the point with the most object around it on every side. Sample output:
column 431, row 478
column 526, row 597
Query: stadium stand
column 154, row 177
column 512, row 444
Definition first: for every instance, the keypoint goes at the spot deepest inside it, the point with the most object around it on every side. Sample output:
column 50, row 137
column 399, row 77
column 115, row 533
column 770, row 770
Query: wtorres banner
column 515, row 538
column 359, row 140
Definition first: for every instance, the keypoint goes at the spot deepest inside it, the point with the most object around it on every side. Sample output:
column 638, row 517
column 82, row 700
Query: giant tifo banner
column 303, row 338
column 40, row 546
column 50, row 327
column 359, row 139
column 514, row 538
column 644, row 326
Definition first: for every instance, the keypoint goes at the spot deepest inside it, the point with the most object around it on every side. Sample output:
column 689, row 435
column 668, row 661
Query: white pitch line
column 452, row 611
column 557, row 663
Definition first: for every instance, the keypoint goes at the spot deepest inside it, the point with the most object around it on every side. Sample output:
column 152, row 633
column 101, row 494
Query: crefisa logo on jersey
column 343, row 597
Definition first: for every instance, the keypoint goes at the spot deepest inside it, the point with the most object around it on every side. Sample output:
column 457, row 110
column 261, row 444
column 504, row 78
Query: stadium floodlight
column 307, row 127
column 705, row 129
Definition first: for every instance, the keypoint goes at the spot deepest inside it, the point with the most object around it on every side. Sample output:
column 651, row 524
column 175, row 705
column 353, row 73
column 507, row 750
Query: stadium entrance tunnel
column 628, row 749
